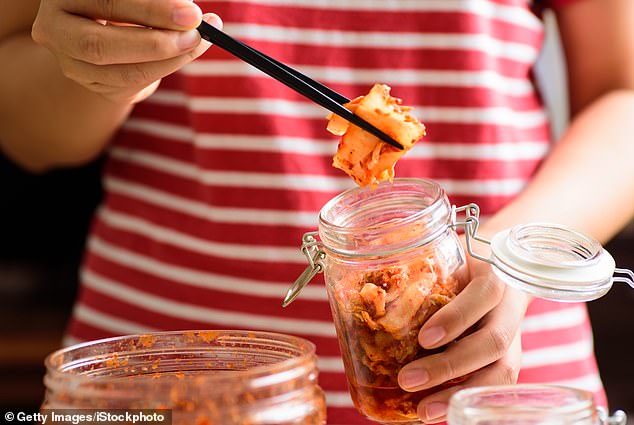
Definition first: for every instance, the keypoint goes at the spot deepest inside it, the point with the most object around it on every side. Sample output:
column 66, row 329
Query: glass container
column 527, row 404
column 391, row 259
column 204, row 377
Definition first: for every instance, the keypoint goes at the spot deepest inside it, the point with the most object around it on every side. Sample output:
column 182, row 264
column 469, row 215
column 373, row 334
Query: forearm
column 587, row 182
column 47, row 120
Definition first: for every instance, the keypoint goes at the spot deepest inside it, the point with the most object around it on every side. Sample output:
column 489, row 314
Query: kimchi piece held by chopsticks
column 364, row 157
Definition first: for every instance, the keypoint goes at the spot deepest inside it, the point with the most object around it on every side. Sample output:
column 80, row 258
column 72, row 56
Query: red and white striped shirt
column 213, row 180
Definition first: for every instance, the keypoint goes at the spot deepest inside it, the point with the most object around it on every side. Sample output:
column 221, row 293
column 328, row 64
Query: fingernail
column 213, row 20
column 413, row 377
column 431, row 336
column 188, row 39
column 433, row 411
column 186, row 16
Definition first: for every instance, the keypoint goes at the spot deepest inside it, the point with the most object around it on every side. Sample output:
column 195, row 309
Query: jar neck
column 390, row 218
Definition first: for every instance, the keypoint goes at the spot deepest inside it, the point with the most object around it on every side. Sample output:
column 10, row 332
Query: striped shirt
column 211, row 183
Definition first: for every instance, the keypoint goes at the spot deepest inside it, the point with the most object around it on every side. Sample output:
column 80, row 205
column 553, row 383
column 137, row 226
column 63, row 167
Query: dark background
column 43, row 222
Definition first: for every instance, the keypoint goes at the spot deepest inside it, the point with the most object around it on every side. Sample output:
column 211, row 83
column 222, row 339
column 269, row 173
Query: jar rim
column 60, row 371
column 434, row 205
column 575, row 403
column 337, row 199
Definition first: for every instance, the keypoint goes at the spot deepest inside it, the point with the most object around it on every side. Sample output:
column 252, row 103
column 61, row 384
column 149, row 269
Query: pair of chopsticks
column 292, row 78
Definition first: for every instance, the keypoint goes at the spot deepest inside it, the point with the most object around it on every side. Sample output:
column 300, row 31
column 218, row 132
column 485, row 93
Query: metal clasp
column 470, row 224
column 619, row 417
column 312, row 250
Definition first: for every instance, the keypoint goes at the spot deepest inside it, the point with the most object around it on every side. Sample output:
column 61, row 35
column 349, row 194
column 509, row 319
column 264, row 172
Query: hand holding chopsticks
column 292, row 78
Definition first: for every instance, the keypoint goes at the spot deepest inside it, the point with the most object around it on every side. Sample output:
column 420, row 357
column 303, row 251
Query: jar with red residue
column 204, row 377
column 391, row 259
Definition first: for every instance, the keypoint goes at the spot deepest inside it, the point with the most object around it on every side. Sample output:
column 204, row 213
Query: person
column 214, row 170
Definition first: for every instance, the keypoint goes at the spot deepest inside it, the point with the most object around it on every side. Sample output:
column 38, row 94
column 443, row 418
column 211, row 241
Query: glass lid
column 546, row 260
column 552, row 261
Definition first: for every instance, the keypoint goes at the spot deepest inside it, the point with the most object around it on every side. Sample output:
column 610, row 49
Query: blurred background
column 44, row 219
column 43, row 223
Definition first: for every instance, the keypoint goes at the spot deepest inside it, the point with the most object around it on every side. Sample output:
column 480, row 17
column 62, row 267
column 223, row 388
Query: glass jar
column 391, row 259
column 204, row 377
column 527, row 404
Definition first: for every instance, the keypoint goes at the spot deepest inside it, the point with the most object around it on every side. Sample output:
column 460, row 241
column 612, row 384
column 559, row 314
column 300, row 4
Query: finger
column 165, row 14
column 433, row 409
column 127, row 76
column 108, row 44
column 130, row 96
column 479, row 349
column 478, row 298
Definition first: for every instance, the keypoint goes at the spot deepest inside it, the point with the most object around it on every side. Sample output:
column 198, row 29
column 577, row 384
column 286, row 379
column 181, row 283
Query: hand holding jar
column 489, row 314
column 416, row 319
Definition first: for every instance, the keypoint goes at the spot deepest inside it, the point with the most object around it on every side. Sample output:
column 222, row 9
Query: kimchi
column 364, row 157
column 379, row 315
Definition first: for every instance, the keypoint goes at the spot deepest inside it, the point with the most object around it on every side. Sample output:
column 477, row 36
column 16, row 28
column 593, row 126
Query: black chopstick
column 292, row 78
column 339, row 98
